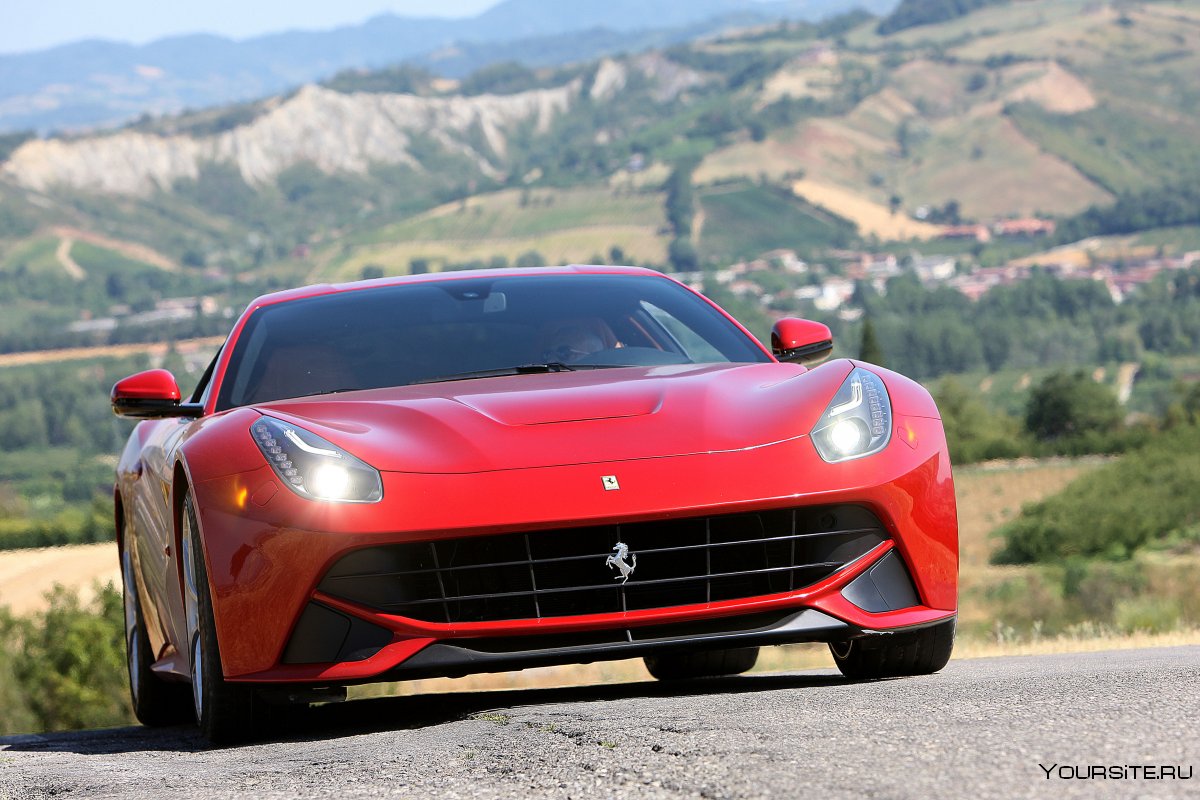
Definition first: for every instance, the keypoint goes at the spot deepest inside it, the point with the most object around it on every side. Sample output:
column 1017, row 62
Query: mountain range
column 98, row 83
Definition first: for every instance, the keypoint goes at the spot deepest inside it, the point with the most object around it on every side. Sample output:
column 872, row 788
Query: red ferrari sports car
column 479, row 471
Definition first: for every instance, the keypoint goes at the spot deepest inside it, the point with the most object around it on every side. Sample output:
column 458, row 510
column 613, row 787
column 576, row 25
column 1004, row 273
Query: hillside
column 791, row 136
column 1022, row 108
column 332, row 131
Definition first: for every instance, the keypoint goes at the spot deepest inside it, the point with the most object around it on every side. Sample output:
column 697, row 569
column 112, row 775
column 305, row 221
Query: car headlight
column 314, row 468
column 858, row 421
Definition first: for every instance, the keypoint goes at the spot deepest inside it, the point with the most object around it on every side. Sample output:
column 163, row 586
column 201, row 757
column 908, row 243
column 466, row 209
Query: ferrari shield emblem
column 610, row 483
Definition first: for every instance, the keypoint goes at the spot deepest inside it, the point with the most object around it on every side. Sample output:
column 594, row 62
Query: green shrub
column 1032, row 599
column 1146, row 497
column 1071, row 404
column 15, row 713
column 1096, row 588
column 974, row 433
column 69, row 664
column 1146, row 614
column 73, row 525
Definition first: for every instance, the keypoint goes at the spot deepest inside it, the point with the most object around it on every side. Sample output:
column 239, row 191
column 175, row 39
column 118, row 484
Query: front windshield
column 449, row 329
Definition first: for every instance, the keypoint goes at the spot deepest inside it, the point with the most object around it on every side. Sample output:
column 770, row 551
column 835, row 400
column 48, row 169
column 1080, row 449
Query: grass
column 1015, row 20
column 203, row 348
column 517, row 213
column 1175, row 240
column 1077, row 31
column 872, row 219
column 991, row 494
column 815, row 81
column 828, row 149
column 992, row 169
column 1154, row 385
column 1116, row 144
column 744, row 221
column 1008, row 390
column 91, row 257
column 565, row 226
column 642, row 245
column 36, row 255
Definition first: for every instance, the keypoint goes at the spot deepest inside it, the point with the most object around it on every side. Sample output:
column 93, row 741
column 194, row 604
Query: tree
column 1071, row 404
column 682, row 254
column 913, row 13
column 681, row 203
column 973, row 432
column 531, row 258
column 869, row 349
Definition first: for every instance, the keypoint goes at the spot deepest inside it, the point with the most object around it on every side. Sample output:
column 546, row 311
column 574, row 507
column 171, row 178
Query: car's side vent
column 324, row 636
column 886, row 586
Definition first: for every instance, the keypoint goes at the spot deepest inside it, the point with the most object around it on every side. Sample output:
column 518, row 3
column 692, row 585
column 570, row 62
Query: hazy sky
column 37, row 24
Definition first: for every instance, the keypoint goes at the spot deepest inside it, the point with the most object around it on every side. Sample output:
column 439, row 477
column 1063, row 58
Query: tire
column 705, row 664
column 226, row 712
column 895, row 655
column 155, row 702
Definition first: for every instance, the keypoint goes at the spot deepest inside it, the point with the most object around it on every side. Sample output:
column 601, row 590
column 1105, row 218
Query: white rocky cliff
column 337, row 132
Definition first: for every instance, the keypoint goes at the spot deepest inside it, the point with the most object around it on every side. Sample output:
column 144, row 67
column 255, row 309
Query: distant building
column 979, row 233
column 934, row 269
column 787, row 260
column 1028, row 226
column 834, row 293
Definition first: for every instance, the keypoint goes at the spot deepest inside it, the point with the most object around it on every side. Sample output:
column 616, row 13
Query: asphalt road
column 980, row 729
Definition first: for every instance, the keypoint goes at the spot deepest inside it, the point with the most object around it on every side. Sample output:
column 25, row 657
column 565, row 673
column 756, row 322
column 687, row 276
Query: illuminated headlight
column 858, row 422
column 313, row 467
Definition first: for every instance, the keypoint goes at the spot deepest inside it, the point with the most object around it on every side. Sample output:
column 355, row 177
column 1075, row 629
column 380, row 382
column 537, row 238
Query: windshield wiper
column 522, row 369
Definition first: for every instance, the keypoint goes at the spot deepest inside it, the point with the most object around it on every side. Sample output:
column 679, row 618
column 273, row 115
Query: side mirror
column 801, row 341
column 153, row 394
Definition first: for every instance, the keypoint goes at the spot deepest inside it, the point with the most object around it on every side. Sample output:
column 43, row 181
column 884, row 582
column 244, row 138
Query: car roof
column 319, row 289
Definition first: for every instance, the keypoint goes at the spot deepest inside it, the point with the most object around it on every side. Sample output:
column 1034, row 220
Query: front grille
column 560, row 573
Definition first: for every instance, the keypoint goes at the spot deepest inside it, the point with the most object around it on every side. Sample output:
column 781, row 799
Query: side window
column 690, row 343
column 201, row 389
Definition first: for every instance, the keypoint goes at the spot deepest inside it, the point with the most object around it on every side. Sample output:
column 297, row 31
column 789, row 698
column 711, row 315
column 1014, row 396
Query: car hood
column 555, row 419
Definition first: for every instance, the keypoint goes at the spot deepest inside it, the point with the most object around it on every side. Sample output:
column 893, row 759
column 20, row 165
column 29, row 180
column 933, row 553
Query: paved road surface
column 978, row 730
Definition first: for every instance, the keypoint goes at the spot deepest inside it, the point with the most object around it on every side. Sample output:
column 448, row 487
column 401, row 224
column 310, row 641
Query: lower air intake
column 575, row 571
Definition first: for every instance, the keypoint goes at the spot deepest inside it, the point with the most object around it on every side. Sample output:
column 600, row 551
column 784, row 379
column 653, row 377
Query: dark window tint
column 396, row 335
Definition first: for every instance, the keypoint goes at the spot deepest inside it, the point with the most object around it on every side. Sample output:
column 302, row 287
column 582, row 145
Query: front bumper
column 268, row 551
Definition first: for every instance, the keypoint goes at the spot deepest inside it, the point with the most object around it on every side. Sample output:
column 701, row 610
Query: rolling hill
column 793, row 134
column 91, row 83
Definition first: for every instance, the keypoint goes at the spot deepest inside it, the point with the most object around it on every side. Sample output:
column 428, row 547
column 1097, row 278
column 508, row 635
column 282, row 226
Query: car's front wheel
column 705, row 664
column 155, row 702
column 226, row 712
column 895, row 655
